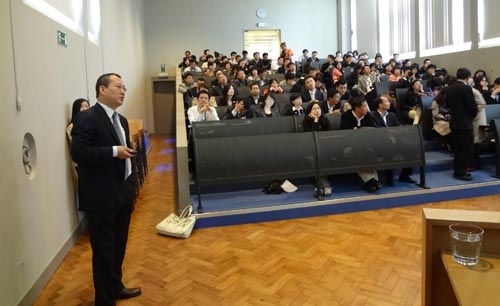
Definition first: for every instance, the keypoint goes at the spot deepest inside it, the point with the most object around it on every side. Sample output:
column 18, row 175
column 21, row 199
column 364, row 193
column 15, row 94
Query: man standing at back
column 463, row 109
column 102, row 150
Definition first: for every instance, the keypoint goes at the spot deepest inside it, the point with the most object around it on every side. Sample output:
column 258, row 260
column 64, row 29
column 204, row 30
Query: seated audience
column 337, row 72
column 310, row 93
column 210, row 69
column 193, row 91
column 241, row 79
column 239, row 110
column 295, row 106
column 356, row 118
column 381, row 117
column 256, row 61
column 255, row 97
column 441, row 118
column 284, row 68
column 221, row 82
column 267, row 108
column 333, row 104
column 78, row 106
column 202, row 111
column 411, row 106
column 314, row 120
column 341, row 87
column 495, row 92
column 429, row 72
column 289, row 80
column 274, row 87
column 193, row 67
column 395, row 75
column 227, row 97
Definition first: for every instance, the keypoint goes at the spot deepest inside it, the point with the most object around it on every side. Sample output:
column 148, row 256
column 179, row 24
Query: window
column 262, row 41
column 67, row 13
column 390, row 31
column 444, row 26
column 396, row 21
column 488, row 23
column 94, row 21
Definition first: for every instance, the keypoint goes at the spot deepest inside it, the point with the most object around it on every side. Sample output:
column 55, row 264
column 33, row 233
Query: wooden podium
column 475, row 285
column 446, row 283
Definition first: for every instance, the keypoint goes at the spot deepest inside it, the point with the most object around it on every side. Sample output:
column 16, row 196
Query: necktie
column 121, row 136
column 118, row 129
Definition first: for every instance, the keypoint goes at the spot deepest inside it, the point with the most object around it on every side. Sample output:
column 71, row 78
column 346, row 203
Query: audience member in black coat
column 356, row 118
column 463, row 109
column 309, row 92
column 333, row 104
column 381, row 117
column 255, row 97
column 295, row 108
column 240, row 110
column 315, row 120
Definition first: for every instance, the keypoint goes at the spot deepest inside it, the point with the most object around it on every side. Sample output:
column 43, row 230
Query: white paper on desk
column 287, row 186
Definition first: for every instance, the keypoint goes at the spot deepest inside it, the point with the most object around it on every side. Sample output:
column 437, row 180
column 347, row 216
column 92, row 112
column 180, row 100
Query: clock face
column 261, row 13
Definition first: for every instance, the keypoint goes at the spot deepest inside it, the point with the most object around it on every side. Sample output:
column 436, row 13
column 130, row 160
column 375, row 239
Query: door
column 164, row 106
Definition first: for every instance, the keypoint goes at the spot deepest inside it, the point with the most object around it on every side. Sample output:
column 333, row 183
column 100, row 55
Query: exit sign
column 62, row 39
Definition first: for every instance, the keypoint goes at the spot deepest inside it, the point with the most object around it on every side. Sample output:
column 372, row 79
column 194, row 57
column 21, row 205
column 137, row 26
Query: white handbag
column 178, row 226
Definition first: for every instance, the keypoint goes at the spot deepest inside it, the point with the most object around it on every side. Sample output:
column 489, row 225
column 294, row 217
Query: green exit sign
column 62, row 39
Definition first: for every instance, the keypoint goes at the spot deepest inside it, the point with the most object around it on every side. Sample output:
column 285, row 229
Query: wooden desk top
column 477, row 285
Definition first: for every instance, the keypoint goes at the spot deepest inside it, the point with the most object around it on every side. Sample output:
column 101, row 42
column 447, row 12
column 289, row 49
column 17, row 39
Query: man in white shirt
column 202, row 111
column 193, row 67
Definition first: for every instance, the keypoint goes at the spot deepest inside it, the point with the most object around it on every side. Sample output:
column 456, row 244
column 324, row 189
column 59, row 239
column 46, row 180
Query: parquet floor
column 370, row 258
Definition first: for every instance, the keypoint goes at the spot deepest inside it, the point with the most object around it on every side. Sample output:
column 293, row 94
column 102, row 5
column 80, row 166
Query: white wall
column 38, row 216
column 174, row 26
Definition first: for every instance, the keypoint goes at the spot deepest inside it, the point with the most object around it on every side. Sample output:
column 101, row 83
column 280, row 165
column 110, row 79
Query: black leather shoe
column 463, row 177
column 370, row 187
column 128, row 293
column 407, row 179
column 389, row 181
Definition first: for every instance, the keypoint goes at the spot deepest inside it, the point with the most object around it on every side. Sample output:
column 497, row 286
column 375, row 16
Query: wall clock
column 261, row 13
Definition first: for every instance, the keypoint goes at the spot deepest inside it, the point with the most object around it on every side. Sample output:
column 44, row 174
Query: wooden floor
column 367, row 258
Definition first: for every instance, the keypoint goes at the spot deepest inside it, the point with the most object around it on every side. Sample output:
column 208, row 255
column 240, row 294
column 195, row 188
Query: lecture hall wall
column 38, row 216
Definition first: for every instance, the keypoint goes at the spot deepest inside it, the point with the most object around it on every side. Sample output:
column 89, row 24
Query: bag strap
column 186, row 212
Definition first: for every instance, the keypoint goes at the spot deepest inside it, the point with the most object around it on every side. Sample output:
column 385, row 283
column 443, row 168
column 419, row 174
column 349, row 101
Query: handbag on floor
column 178, row 226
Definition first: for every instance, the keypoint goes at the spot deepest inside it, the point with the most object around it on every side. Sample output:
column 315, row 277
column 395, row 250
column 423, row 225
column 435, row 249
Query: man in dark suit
column 255, row 98
column 463, row 110
column 381, row 117
column 332, row 104
column 102, row 151
column 309, row 92
column 356, row 118
column 241, row 110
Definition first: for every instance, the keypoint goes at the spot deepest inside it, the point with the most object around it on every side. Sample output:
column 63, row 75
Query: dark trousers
column 108, row 233
column 463, row 146
column 389, row 174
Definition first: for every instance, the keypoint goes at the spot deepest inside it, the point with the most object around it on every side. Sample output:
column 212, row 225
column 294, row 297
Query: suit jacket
column 260, row 113
column 463, row 107
column 348, row 121
column 192, row 92
column 376, row 119
column 101, row 175
column 306, row 96
column 257, row 64
column 325, row 109
column 250, row 100
column 243, row 115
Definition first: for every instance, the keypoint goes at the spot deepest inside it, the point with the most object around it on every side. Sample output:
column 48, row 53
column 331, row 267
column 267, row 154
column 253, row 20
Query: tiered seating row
column 263, row 149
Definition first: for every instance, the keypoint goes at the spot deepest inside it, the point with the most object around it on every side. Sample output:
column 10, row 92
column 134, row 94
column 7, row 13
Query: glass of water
column 466, row 243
